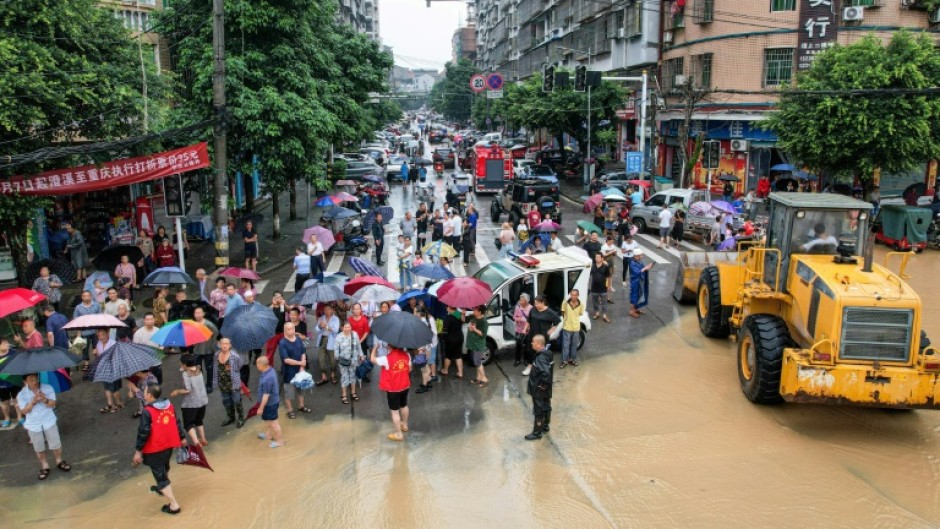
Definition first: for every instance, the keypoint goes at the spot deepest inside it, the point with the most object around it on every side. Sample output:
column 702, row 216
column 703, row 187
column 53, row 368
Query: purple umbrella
column 547, row 225
column 324, row 236
column 592, row 202
column 723, row 206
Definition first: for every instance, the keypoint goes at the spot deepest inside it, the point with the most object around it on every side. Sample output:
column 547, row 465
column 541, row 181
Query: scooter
column 933, row 231
column 351, row 240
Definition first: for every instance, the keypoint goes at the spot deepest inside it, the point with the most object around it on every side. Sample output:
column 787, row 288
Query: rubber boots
column 241, row 415
column 230, row 410
column 537, row 427
column 548, row 420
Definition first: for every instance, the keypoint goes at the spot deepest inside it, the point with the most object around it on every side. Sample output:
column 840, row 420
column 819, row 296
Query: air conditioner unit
column 908, row 3
column 680, row 80
column 667, row 37
column 739, row 145
column 934, row 17
column 555, row 33
column 621, row 33
column 853, row 14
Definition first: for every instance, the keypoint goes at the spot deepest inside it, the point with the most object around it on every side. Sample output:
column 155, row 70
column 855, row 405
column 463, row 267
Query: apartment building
column 138, row 17
column 362, row 15
column 464, row 43
column 754, row 46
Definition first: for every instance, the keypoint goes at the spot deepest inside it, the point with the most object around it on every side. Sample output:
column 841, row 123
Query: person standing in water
column 160, row 431
column 540, row 387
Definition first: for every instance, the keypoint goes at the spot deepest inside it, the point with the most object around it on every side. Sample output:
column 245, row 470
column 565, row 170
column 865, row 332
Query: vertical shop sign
column 819, row 27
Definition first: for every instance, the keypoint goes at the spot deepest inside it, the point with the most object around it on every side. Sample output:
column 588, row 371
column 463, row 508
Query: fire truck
column 491, row 166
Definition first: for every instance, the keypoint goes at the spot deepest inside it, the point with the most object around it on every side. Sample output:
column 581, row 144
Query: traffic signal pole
column 644, row 102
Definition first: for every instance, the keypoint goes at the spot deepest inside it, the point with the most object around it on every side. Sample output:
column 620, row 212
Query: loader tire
column 712, row 316
column 761, row 342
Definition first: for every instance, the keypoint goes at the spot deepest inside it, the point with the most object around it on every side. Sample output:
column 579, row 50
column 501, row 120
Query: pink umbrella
column 464, row 293
column 547, row 225
column 240, row 273
column 345, row 197
column 95, row 321
column 592, row 202
column 347, row 183
column 324, row 236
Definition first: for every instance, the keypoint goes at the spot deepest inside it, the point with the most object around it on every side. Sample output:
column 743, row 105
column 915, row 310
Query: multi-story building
column 464, row 43
column 755, row 47
column 138, row 17
column 362, row 15
column 520, row 37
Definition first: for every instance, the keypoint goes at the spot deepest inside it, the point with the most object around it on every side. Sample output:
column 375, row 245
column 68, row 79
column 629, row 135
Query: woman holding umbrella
column 453, row 341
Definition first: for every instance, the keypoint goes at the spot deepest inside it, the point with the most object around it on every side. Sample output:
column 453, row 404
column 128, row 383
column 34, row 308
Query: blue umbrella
column 420, row 294
column 27, row 361
column 365, row 267
column 103, row 278
column 782, row 167
column 249, row 326
column 170, row 275
column 546, row 240
column 339, row 213
column 433, row 271
column 325, row 202
column 387, row 214
column 122, row 360
column 339, row 279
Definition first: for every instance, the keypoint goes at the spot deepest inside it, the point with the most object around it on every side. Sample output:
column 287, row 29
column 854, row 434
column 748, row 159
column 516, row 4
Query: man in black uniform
column 540, row 387
column 378, row 236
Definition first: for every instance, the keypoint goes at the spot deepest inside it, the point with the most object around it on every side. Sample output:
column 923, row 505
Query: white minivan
column 553, row 277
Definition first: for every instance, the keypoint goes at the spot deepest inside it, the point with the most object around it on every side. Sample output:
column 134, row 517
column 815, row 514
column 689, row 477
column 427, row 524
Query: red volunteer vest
column 397, row 377
column 164, row 433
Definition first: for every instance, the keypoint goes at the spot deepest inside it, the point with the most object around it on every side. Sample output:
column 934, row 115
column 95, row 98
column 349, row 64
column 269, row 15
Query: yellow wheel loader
column 813, row 318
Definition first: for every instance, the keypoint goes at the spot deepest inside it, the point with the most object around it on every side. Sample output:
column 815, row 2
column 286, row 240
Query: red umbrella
column 464, row 293
column 17, row 299
column 95, row 321
column 592, row 202
column 193, row 455
column 345, row 197
column 240, row 273
column 253, row 411
column 353, row 285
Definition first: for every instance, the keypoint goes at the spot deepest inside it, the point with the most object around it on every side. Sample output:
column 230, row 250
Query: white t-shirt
column 457, row 223
column 627, row 249
column 144, row 337
column 111, row 307
column 665, row 218
column 314, row 249
column 408, row 254
column 607, row 248
column 41, row 416
column 556, row 244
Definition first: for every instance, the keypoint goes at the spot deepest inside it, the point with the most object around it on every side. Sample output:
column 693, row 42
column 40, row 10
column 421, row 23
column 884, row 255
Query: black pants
column 300, row 279
column 527, row 351
column 520, row 347
column 158, row 373
column 379, row 248
column 207, row 363
column 541, row 408
column 159, row 463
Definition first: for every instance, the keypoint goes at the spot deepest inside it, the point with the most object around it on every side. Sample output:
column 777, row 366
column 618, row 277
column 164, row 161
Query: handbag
column 419, row 360
column 499, row 244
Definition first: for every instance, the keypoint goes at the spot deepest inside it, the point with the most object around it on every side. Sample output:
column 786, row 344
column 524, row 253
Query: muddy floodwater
column 658, row 435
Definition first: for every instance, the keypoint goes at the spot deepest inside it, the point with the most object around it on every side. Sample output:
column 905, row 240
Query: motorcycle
column 350, row 239
column 933, row 231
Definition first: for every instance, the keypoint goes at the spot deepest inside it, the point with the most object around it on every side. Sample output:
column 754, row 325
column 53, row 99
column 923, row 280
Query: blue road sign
column 494, row 81
column 634, row 161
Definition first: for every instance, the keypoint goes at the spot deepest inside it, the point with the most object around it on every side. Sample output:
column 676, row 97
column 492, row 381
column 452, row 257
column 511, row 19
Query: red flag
column 193, row 456
column 246, row 392
column 253, row 411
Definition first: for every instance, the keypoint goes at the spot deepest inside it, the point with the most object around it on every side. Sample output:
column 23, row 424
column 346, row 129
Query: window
column 633, row 17
column 862, row 3
column 783, row 5
column 702, row 70
column 704, row 11
column 778, row 66
column 672, row 72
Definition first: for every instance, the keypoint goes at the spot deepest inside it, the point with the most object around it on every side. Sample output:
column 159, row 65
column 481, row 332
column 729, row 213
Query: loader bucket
column 690, row 269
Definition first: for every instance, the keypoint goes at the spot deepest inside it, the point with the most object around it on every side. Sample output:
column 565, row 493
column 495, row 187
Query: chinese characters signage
column 109, row 174
column 819, row 27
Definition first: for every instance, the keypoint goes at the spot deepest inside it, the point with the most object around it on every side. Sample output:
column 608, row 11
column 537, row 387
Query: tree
column 843, row 131
column 296, row 83
column 452, row 96
column 691, row 95
column 69, row 71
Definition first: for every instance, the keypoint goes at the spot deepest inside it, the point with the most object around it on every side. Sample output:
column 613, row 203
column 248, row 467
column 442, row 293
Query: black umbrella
column 184, row 310
column 60, row 267
column 729, row 178
column 317, row 293
column 170, row 275
column 916, row 190
column 37, row 360
column 122, row 360
column 401, row 329
column 110, row 257
column 249, row 326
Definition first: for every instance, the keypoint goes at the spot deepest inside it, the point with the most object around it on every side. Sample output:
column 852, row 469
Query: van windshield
column 495, row 274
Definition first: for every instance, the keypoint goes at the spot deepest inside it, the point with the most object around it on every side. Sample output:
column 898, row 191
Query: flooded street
column 655, row 434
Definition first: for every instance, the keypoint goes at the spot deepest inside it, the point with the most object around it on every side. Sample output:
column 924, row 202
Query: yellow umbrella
column 439, row 249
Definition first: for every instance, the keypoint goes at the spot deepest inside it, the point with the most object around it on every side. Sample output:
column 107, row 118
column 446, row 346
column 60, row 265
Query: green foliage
column 384, row 112
column 453, row 97
column 15, row 213
column 847, row 134
column 69, row 70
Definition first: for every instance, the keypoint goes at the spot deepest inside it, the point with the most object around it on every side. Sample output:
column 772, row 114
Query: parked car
column 520, row 167
column 542, row 172
column 444, row 155
column 378, row 155
column 621, row 179
column 646, row 215
column 355, row 170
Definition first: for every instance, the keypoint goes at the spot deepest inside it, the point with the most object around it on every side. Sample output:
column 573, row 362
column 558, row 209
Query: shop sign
column 626, row 113
column 111, row 174
column 819, row 27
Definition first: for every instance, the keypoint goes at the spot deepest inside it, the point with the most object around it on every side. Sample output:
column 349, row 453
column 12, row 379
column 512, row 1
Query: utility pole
column 220, row 181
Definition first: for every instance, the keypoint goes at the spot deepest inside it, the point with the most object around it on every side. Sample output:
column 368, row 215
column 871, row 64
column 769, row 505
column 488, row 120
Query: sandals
column 574, row 363
column 320, row 382
column 606, row 319
column 63, row 466
column 484, row 383
column 305, row 410
column 404, row 427
column 562, row 366
column 345, row 400
column 43, row 474
column 136, row 414
column 155, row 490
column 291, row 415
column 166, row 508
column 107, row 409
column 355, row 396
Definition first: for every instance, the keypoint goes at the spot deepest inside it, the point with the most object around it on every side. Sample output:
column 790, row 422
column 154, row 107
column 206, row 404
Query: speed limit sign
column 478, row 83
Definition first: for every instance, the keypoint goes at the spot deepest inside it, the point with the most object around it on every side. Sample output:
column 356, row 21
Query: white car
column 520, row 167
column 554, row 276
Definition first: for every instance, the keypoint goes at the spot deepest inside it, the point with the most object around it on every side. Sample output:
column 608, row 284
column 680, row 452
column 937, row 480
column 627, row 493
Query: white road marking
column 689, row 246
column 260, row 285
column 480, row 256
column 655, row 242
column 649, row 252
column 336, row 261
column 289, row 287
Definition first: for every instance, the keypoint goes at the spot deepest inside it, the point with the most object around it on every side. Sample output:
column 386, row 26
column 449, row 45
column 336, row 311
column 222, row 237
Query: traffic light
column 173, row 196
column 548, row 79
column 580, row 78
column 562, row 80
column 712, row 154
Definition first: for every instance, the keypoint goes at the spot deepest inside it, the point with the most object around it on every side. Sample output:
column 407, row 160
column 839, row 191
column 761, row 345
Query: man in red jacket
column 395, row 380
column 160, row 431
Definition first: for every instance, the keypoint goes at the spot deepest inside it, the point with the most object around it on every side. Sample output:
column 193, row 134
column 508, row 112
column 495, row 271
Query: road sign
column 494, row 94
column 634, row 161
column 478, row 83
column 494, row 81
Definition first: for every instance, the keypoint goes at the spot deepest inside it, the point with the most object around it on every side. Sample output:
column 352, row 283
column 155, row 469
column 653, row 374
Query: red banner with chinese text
column 111, row 174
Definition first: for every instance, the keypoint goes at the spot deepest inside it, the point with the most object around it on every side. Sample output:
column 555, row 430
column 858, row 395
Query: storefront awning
column 111, row 174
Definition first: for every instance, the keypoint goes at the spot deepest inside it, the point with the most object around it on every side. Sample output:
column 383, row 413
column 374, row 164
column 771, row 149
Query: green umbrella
column 589, row 227
column 16, row 380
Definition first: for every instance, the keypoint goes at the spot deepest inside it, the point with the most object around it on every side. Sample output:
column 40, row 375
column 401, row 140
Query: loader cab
column 813, row 224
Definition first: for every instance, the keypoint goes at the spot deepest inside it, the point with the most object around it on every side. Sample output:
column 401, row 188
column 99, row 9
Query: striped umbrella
column 365, row 267
column 182, row 333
